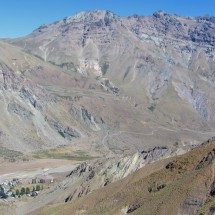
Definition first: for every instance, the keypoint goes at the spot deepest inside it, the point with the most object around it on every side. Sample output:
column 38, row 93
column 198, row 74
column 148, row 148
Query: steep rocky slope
column 161, row 66
column 155, row 52
column 179, row 185
column 88, row 177
column 32, row 118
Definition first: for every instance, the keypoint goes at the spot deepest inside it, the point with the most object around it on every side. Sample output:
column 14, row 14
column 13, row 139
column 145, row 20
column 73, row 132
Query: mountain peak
column 91, row 16
column 162, row 13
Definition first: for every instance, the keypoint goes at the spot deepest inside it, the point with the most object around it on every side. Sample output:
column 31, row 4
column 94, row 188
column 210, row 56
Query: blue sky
column 21, row 17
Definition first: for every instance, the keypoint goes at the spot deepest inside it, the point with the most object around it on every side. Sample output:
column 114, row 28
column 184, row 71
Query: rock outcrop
column 20, row 111
column 156, row 153
column 65, row 131
column 8, row 79
column 28, row 96
column 86, row 118
column 92, row 176
column 109, row 87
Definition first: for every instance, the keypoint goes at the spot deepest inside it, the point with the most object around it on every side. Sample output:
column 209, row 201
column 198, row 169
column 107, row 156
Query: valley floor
column 25, row 172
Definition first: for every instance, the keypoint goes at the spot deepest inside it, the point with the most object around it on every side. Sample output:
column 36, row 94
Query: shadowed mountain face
column 120, row 84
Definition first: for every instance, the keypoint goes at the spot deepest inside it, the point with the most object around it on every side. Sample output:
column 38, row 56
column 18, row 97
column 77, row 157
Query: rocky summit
column 111, row 95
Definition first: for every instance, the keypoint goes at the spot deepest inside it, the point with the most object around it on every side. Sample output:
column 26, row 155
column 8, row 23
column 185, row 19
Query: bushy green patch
column 53, row 154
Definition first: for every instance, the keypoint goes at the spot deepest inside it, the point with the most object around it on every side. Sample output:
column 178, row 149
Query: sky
column 21, row 17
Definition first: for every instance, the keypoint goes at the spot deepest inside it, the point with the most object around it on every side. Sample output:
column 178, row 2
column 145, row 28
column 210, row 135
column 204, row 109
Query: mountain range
column 97, row 86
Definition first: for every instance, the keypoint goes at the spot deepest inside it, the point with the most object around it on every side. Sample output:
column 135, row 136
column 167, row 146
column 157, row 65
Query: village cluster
column 16, row 188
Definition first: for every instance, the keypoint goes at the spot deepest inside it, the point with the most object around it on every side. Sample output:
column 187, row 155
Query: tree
column 2, row 194
column 33, row 190
column 27, row 190
column 38, row 188
column 23, row 191
column 17, row 192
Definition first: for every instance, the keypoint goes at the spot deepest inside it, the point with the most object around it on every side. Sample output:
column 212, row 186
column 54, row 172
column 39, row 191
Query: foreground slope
column 180, row 185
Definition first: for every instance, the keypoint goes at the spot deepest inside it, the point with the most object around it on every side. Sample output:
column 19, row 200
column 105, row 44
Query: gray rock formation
column 20, row 111
column 109, row 87
column 156, row 153
column 206, row 160
column 84, row 116
column 28, row 96
column 91, row 176
column 8, row 80
column 65, row 131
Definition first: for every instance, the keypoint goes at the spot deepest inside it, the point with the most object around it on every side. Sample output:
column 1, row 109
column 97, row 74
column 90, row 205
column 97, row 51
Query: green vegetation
column 23, row 191
column 54, row 154
column 17, row 192
column 27, row 190
column 38, row 188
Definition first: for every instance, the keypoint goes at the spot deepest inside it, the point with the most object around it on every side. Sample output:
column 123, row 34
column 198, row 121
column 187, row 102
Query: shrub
column 38, row 188
column 27, row 191
column 23, row 191
column 17, row 192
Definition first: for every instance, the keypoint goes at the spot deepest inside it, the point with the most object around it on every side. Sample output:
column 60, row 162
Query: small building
column 34, row 181
column 46, row 179
column 34, row 193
